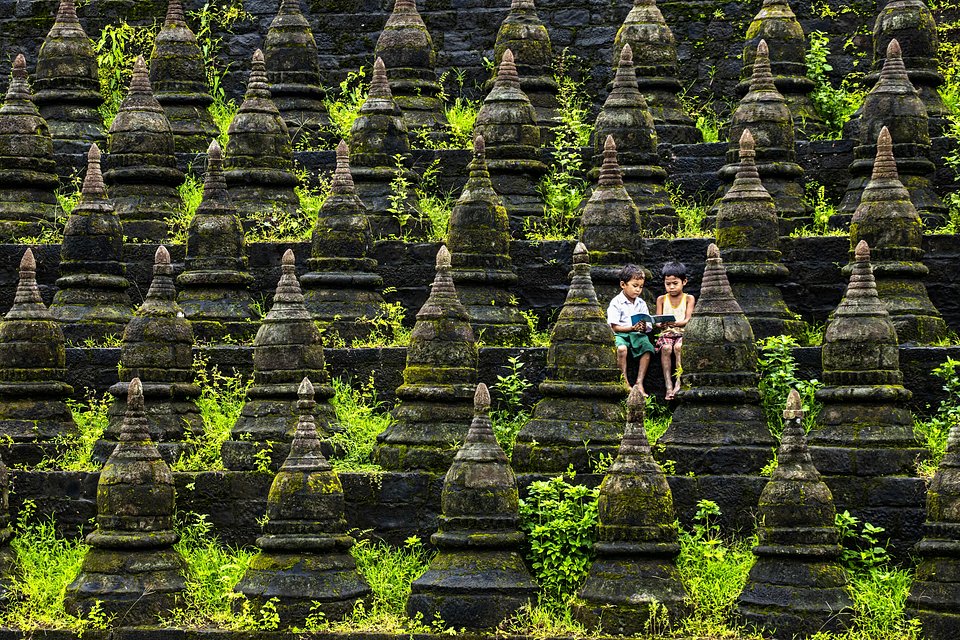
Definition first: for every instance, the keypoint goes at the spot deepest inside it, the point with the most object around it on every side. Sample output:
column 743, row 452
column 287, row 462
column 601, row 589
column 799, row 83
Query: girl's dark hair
column 675, row 269
column 631, row 271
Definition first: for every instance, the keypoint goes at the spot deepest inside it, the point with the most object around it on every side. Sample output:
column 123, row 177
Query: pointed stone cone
column 765, row 112
column 378, row 137
column 931, row 597
column 287, row 348
column 180, row 82
column 34, row 418
column 304, row 563
column 894, row 103
column 28, row 176
column 293, row 68
column 797, row 586
column 215, row 284
column 888, row 221
column 157, row 347
column 777, row 24
column 438, row 383
column 637, row 543
column 610, row 222
column 259, row 154
column 132, row 570
column 865, row 427
column 508, row 123
column 343, row 285
column 478, row 579
column 479, row 237
column 748, row 234
column 580, row 417
column 912, row 23
column 719, row 427
column 524, row 35
column 67, row 84
column 407, row 52
column 143, row 175
column 626, row 117
column 91, row 300
column 655, row 57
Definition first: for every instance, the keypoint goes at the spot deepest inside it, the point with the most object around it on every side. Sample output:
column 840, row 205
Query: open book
column 651, row 320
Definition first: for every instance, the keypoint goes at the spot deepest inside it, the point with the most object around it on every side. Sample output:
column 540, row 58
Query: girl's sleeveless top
column 679, row 312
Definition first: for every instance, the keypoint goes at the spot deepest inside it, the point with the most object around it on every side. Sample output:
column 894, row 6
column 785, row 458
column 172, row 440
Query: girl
column 680, row 305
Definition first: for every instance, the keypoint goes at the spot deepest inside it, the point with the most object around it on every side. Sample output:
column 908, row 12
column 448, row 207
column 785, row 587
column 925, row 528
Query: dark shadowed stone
column 625, row 116
column 132, row 570
column 343, row 284
column 287, row 349
column 636, row 548
column 259, row 154
column 304, row 561
column 379, row 152
column 888, row 221
column 797, row 586
column 580, row 417
column 764, row 111
column 895, row 104
column 912, row 24
column 610, row 223
column 34, row 418
column 478, row 579
column 933, row 596
column 438, row 381
column 407, row 52
column 479, row 240
column 524, row 35
column 180, row 83
column 91, row 300
column 748, row 236
column 215, row 286
column 508, row 123
column 27, row 168
column 158, row 348
column 142, row 176
column 718, row 427
column 655, row 56
column 865, row 427
column 293, row 69
column 777, row 24
column 67, row 84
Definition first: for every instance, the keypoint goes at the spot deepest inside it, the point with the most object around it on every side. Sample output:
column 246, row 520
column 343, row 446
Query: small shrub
column 778, row 370
column 933, row 432
column 191, row 193
column 388, row 329
column 835, row 105
column 117, row 50
column 390, row 571
column 363, row 418
column 692, row 215
column 510, row 416
column 343, row 106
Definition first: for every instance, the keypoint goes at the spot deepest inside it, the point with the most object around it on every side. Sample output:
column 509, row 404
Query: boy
column 623, row 307
column 680, row 305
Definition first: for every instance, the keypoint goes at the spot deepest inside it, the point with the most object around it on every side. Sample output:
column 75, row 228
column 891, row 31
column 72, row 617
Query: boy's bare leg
column 666, row 352
column 622, row 363
column 676, row 384
column 644, row 365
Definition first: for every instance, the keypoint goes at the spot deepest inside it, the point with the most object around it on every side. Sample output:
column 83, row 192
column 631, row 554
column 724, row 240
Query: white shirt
column 621, row 310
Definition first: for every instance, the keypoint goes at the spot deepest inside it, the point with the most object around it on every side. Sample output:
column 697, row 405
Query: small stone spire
column 18, row 91
column 93, row 187
column 67, row 14
column 379, row 84
column 610, row 175
column 479, row 236
column 888, row 221
column 132, row 570
column 438, row 382
column 342, row 178
column 581, row 365
column 478, row 577
column 762, row 79
column 140, row 80
column 27, row 302
column 287, row 348
column 175, row 16
column 506, row 73
column 637, row 539
column 797, row 585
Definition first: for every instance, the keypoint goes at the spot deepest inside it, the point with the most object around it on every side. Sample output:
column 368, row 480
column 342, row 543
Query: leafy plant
column 692, row 215
column 835, row 105
column 344, row 106
column 117, row 49
column 363, row 418
column 778, row 375
column 510, row 416
column 191, row 194
column 816, row 197
column 560, row 520
column 387, row 330
column 434, row 205
column 390, row 571
column 933, row 432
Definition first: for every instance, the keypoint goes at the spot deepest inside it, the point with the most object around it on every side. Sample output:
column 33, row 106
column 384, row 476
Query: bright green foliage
column 714, row 571
column 704, row 113
column 657, row 419
column 823, row 208
column 510, row 415
column 691, row 214
column 461, row 115
column 217, row 18
column 577, row 125
column 388, row 328
column 390, row 571
column 191, row 192
column 275, row 225
column 544, row 621
column 812, row 334
column 51, row 231
column 933, row 431
column 560, row 521
column 835, row 105
column 363, row 418
column 117, row 49
column 344, row 105
column 434, row 204
column 778, row 375
column 76, row 450
column 223, row 112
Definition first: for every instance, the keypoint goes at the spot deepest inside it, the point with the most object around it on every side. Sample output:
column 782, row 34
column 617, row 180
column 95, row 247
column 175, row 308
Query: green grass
column 363, row 418
column 75, row 454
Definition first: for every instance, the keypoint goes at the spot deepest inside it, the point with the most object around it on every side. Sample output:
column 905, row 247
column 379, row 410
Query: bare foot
column 670, row 394
column 643, row 392
column 626, row 385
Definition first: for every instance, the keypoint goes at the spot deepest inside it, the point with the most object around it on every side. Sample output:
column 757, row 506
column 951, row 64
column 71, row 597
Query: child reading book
column 630, row 333
column 680, row 305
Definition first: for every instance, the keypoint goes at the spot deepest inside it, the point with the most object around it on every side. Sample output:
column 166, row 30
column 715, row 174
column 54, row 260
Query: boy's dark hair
column 675, row 269
column 631, row 271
